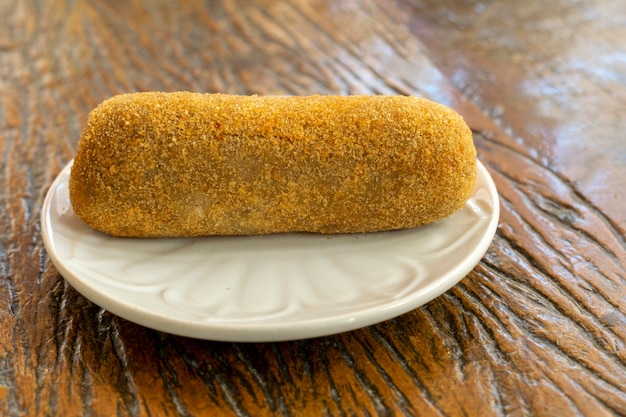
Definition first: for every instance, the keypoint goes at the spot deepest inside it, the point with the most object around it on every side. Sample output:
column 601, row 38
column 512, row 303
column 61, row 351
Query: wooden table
column 537, row 328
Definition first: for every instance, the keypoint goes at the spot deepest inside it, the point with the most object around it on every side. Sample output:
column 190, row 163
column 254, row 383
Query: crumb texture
column 189, row 164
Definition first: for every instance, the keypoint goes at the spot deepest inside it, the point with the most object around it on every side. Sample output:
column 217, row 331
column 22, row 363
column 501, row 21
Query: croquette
column 189, row 164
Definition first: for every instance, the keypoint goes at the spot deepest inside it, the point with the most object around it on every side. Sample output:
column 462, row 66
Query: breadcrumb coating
column 190, row 164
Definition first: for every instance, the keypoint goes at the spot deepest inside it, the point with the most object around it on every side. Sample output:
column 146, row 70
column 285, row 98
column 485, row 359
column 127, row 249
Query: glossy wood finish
column 537, row 328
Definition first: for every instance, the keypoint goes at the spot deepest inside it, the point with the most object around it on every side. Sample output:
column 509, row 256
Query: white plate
column 268, row 288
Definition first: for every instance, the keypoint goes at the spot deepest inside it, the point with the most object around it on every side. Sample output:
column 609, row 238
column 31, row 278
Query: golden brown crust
column 188, row 164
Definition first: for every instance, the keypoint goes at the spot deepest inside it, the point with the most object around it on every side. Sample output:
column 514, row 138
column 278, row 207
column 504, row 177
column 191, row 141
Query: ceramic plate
column 268, row 288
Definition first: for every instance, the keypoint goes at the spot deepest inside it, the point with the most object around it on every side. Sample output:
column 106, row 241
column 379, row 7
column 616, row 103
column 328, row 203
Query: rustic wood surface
column 537, row 328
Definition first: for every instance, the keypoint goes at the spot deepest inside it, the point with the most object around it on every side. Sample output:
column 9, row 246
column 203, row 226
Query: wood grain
column 537, row 328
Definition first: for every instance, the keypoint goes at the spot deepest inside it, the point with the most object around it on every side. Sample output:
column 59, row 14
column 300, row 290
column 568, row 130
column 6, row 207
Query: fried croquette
column 190, row 164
